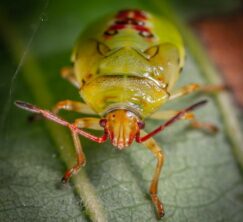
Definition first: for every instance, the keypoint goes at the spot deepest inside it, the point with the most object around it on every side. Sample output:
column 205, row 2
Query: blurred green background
column 201, row 179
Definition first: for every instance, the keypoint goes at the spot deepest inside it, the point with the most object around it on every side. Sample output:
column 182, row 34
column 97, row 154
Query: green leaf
column 200, row 181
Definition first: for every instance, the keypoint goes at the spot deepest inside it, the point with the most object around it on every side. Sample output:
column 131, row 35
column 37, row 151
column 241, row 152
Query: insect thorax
column 128, row 61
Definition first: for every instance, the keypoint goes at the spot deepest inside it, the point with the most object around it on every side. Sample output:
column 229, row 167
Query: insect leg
column 88, row 123
column 165, row 115
column 66, row 105
column 193, row 87
column 153, row 190
column 91, row 123
column 72, row 106
column 67, row 73
column 80, row 158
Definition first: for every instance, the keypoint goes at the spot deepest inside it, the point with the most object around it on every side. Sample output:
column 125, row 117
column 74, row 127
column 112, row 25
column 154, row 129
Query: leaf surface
column 200, row 180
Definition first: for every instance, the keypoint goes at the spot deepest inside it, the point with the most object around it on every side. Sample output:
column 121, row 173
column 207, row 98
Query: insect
column 125, row 67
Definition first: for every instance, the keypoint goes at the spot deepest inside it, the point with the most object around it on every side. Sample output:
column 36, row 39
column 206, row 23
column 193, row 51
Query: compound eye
column 141, row 125
column 111, row 32
column 103, row 122
column 102, row 48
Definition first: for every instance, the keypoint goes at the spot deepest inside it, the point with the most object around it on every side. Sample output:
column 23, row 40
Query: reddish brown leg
column 207, row 127
column 72, row 106
column 193, row 87
column 80, row 158
column 155, row 149
column 88, row 123
column 91, row 123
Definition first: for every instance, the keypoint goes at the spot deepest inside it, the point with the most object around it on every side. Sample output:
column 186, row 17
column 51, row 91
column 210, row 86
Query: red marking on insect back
column 122, row 14
column 134, row 19
column 137, row 14
column 141, row 28
column 140, row 15
column 130, row 21
column 117, row 27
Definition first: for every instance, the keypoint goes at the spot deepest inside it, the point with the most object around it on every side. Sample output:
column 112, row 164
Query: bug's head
column 122, row 127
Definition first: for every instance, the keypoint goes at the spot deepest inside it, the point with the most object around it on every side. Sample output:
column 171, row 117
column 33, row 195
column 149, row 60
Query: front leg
column 81, row 160
column 90, row 123
column 153, row 190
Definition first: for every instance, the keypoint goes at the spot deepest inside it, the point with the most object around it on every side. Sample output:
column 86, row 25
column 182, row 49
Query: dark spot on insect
column 130, row 21
column 152, row 145
column 146, row 34
column 141, row 125
column 165, row 85
column 180, row 70
column 134, row 13
column 113, row 115
column 89, row 76
column 111, row 32
column 102, row 48
column 76, row 55
column 152, row 51
column 137, row 22
column 121, row 22
column 83, row 81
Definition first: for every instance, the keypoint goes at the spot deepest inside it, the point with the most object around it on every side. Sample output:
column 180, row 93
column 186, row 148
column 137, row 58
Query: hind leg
column 165, row 115
column 194, row 87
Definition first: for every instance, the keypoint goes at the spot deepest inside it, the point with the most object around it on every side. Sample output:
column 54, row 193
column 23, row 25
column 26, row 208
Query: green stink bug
column 125, row 67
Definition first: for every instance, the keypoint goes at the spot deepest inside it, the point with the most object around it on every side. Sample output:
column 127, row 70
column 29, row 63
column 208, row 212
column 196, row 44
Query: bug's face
column 122, row 127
